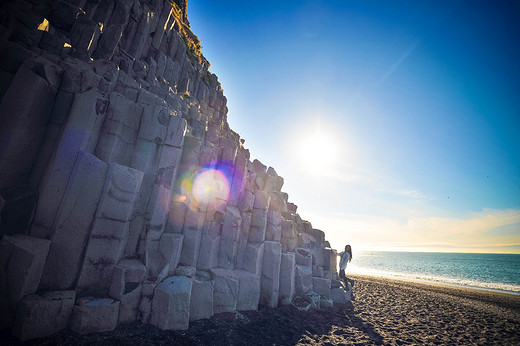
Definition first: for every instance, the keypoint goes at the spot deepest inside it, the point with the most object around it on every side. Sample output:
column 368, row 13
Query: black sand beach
column 385, row 312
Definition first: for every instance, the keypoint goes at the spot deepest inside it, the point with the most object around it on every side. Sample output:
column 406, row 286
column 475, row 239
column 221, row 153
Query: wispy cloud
column 486, row 230
column 398, row 62
column 475, row 224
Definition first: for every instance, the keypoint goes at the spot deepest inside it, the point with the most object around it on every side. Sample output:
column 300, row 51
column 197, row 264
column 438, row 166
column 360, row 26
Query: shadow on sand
column 282, row 326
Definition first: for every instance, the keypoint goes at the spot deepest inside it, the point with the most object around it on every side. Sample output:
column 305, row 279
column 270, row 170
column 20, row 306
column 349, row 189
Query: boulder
column 313, row 298
column 171, row 303
column 43, row 314
column 94, row 315
column 321, row 286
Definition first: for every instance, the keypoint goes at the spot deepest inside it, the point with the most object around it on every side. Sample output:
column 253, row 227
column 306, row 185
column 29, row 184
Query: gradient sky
column 396, row 124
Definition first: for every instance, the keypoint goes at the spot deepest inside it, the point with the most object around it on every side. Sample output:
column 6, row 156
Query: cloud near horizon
column 489, row 230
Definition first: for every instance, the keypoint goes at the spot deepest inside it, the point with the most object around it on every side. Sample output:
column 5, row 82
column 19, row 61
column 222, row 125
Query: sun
column 318, row 153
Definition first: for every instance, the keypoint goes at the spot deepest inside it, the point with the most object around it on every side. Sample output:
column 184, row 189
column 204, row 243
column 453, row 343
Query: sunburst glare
column 318, row 152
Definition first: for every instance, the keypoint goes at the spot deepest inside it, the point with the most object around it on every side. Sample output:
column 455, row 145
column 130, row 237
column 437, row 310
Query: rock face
column 171, row 303
column 44, row 314
column 94, row 315
column 124, row 194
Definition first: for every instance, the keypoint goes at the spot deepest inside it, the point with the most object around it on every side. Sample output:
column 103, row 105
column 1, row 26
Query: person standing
column 346, row 256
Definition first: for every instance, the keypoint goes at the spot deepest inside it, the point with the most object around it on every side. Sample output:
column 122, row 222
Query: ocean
column 495, row 272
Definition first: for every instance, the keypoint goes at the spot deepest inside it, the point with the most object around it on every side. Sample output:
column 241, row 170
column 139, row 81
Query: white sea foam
column 512, row 288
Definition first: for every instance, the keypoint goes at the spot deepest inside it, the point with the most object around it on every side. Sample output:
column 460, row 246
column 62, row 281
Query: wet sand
column 384, row 312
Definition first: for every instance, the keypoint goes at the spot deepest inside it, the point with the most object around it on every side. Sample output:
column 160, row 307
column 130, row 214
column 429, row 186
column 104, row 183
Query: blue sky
column 396, row 125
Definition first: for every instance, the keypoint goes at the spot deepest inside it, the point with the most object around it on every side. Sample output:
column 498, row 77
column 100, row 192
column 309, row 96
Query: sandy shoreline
column 506, row 303
column 438, row 314
column 385, row 312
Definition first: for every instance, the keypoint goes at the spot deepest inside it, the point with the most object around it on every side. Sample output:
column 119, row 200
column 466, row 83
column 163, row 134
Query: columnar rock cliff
column 125, row 195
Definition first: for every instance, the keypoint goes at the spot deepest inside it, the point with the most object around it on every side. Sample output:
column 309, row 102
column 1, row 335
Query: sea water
column 496, row 272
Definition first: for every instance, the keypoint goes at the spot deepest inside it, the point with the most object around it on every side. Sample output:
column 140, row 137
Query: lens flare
column 205, row 188
column 211, row 188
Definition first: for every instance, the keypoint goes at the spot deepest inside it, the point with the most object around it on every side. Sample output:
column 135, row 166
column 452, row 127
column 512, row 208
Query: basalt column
column 124, row 194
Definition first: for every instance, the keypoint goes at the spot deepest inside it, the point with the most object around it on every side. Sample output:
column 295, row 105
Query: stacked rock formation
column 125, row 195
